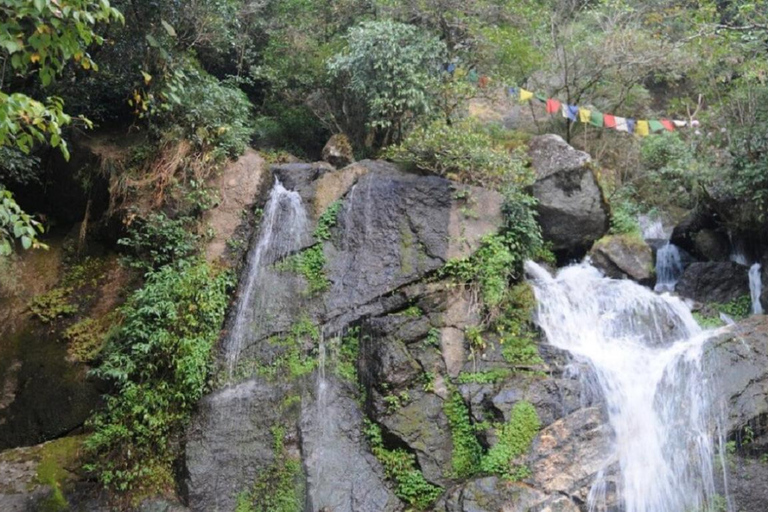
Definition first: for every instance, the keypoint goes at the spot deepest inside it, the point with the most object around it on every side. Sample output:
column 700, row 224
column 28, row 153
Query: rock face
column 622, row 257
column 572, row 212
column 391, row 232
column 714, row 282
column 684, row 233
column 338, row 151
column 712, row 245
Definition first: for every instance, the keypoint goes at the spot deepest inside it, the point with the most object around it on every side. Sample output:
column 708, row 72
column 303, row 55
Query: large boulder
column 572, row 211
column 623, row 257
column 714, row 282
column 338, row 151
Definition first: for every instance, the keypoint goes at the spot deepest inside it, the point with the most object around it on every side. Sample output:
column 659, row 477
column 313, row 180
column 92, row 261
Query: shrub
column 467, row 452
column 158, row 241
column 157, row 362
column 214, row 115
column 392, row 69
column 462, row 152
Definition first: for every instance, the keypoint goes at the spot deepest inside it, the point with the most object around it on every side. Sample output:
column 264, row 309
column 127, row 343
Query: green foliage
column 738, row 308
column 400, row 468
column 391, row 69
column 463, row 152
column 53, row 305
column 309, row 263
column 484, row 377
column 347, row 353
column 280, row 487
column 157, row 362
column 16, row 225
column 39, row 38
column 18, row 167
column 624, row 217
column 158, row 241
column 56, row 460
column 327, row 220
column 515, row 439
column 467, row 452
column 86, row 338
column 215, row 116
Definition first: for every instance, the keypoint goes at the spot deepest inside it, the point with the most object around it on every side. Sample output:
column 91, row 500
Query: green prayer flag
column 596, row 118
column 541, row 98
column 473, row 77
column 655, row 125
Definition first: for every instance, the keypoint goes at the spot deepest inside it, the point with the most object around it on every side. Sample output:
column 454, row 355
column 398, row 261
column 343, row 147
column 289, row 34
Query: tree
column 392, row 70
column 37, row 39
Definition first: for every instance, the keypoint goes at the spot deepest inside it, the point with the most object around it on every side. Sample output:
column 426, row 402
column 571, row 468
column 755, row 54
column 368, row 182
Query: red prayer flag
column 610, row 121
column 483, row 82
column 668, row 125
column 553, row 106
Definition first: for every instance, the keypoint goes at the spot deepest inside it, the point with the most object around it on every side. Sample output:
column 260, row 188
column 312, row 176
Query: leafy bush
column 467, row 452
column 392, row 69
column 159, row 240
column 157, row 362
column 462, row 152
column 214, row 115
column 15, row 224
column 400, row 467
column 515, row 439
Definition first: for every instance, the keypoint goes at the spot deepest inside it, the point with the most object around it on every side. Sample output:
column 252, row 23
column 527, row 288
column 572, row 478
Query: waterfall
column 669, row 267
column 283, row 231
column 652, row 228
column 645, row 351
column 755, row 289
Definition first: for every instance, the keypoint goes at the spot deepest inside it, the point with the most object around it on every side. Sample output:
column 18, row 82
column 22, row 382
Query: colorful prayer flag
column 541, row 98
column 680, row 124
column 596, row 118
column 610, row 121
column 451, row 68
column 630, row 125
column 552, row 106
column 621, row 124
column 525, row 95
column 642, row 128
column 584, row 115
column 655, row 125
column 472, row 76
column 667, row 124
column 483, row 82
column 573, row 112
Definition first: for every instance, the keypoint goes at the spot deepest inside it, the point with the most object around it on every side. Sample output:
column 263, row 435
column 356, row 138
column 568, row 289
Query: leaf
column 26, row 242
column 147, row 77
column 12, row 45
column 168, row 28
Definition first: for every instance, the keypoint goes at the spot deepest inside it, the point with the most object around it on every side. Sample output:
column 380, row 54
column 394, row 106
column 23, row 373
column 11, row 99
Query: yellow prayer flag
column 525, row 95
column 584, row 115
column 642, row 128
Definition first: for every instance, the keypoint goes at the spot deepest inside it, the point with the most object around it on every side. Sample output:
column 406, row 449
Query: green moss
column 56, row 460
column 485, row 377
column 515, row 439
column 400, row 468
column 412, row 312
column 347, row 352
column 433, row 338
column 280, row 487
column 86, row 338
column 53, row 304
column 467, row 452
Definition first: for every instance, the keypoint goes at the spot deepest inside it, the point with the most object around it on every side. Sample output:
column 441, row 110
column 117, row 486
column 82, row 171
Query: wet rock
column 552, row 398
column 342, row 475
column 338, row 151
column 712, row 282
column 230, row 441
column 572, row 211
column 712, row 245
column 566, row 455
column 300, row 177
column 422, row 426
column 623, row 257
column 491, row 494
column 684, row 233
column 240, row 185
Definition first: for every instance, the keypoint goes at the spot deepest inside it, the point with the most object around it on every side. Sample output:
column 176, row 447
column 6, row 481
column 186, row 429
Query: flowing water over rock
column 669, row 267
column 283, row 232
column 755, row 289
column 645, row 351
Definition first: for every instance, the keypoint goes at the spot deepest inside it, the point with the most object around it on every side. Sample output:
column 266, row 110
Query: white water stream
column 284, row 229
column 755, row 288
column 645, row 351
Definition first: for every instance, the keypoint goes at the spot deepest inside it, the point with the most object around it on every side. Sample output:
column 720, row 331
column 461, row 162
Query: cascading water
column 645, row 351
column 669, row 267
column 284, row 230
column 755, row 289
